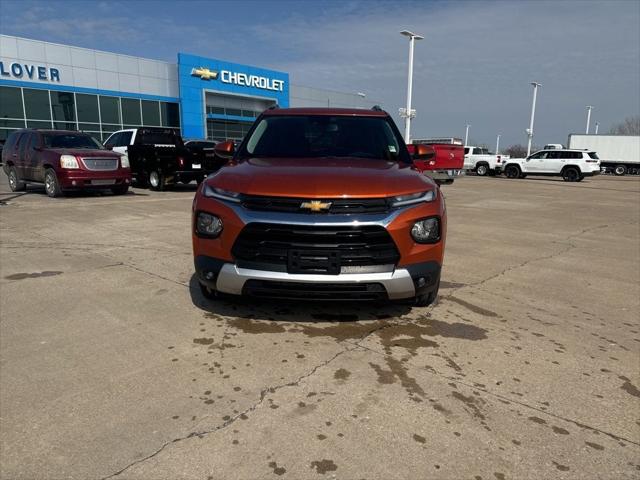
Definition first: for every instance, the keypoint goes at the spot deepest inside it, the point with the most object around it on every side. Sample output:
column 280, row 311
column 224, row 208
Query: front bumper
column 401, row 283
column 78, row 179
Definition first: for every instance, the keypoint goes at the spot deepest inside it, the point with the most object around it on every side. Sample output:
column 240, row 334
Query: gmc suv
column 320, row 204
column 63, row 160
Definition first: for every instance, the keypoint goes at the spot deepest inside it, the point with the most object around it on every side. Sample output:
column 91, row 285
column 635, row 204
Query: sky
column 474, row 65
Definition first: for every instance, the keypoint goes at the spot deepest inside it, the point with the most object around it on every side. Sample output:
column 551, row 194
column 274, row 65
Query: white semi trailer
column 619, row 154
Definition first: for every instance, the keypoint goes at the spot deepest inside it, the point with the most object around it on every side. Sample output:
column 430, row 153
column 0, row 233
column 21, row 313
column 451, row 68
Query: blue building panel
column 196, row 74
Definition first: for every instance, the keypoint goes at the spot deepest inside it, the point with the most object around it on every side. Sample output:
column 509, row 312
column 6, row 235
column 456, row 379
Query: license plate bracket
column 325, row 262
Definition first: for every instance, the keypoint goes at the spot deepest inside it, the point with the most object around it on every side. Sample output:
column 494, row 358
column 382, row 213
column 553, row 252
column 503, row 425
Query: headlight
column 208, row 225
column 68, row 161
column 427, row 230
column 221, row 194
column 412, row 198
column 124, row 162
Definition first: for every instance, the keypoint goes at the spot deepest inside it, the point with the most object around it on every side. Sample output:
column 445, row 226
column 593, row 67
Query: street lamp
column 533, row 115
column 408, row 113
column 466, row 135
column 498, row 145
column 589, row 108
column 597, row 125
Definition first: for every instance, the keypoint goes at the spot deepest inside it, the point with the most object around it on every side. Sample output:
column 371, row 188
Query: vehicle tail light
column 499, row 158
column 181, row 161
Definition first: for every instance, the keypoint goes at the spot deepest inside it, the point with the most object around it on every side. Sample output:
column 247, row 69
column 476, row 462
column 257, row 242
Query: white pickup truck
column 483, row 162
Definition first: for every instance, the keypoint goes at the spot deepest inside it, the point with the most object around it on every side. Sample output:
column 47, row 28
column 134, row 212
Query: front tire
column 512, row 171
column 15, row 184
column 51, row 185
column 571, row 174
column 207, row 292
column 482, row 169
column 156, row 181
column 428, row 298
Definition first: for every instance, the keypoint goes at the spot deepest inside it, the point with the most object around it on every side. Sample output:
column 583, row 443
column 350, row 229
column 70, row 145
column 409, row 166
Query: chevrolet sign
column 316, row 205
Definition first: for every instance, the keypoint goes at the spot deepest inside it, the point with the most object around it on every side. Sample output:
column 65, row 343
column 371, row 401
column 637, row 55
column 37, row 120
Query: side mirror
column 423, row 152
column 225, row 150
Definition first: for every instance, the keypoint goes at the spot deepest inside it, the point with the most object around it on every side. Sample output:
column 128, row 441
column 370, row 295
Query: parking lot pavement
column 112, row 365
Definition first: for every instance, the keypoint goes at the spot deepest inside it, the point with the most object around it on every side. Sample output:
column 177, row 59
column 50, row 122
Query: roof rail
column 377, row 108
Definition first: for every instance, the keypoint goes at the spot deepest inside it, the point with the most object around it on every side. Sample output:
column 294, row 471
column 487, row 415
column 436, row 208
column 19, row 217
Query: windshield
column 158, row 137
column 325, row 136
column 71, row 140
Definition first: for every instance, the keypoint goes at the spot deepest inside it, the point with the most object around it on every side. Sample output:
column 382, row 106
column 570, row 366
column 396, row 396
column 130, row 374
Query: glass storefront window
column 170, row 114
column 87, row 106
column 36, row 104
column 150, row 113
column 38, row 124
column 11, row 103
column 110, row 109
column 63, row 106
column 131, row 111
column 64, row 125
column 11, row 123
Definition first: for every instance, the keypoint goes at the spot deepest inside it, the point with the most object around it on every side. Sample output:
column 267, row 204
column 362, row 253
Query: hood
column 320, row 178
column 85, row 152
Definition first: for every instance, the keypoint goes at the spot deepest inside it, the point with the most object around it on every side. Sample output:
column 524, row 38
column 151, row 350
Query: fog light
column 422, row 282
column 427, row 230
column 208, row 225
column 209, row 275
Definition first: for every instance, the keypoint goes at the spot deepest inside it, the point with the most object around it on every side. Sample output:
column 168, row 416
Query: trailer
column 619, row 154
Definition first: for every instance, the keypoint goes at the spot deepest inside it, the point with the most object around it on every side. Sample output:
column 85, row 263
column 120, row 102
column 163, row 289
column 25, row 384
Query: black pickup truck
column 157, row 156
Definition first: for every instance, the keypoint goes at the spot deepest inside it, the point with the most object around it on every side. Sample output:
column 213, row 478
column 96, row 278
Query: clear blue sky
column 474, row 65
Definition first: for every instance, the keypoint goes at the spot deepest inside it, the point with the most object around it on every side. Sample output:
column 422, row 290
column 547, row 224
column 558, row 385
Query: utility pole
column 498, row 145
column 533, row 116
column 589, row 108
column 466, row 135
column 597, row 125
column 408, row 113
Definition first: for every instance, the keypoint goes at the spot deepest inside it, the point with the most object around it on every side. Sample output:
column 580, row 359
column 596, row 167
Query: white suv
column 570, row 164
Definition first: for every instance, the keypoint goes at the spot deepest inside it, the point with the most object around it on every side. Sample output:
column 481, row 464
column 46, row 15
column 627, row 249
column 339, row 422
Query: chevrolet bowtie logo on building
column 316, row 205
column 204, row 73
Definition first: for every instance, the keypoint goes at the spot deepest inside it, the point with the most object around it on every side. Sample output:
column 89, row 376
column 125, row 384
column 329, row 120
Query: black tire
column 120, row 189
column 512, row 171
column 482, row 169
column 522, row 175
column 428, row 298
column 580, row 178
column 51, row 185
column 207, row 292
column 620, row 170
column 15, row 184
column 571, row 174
column 156, row 181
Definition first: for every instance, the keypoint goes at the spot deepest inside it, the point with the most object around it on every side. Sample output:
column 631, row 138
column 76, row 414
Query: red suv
column 320, row 204
column 63, row 160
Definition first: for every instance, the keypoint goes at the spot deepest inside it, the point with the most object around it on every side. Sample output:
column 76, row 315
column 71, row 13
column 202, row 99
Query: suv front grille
column 100, row 164
column 303, row 248
column 294, row 205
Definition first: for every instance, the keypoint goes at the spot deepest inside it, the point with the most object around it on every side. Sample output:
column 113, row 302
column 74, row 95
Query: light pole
column 589, row 108
column 466, row 135
column 498, row 145
column 362, row 96
column 533, row 116
column 407, row 112
column 597, row 125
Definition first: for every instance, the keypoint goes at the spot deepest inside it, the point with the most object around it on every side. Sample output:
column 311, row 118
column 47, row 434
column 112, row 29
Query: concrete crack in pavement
column 263, row 395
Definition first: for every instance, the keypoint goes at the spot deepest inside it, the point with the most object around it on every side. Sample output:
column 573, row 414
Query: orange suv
column 320, row 204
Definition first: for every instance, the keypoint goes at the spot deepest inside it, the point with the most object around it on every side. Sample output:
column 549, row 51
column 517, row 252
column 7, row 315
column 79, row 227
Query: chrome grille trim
column 100, row 164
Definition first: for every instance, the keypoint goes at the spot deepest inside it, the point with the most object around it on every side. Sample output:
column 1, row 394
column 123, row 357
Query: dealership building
column 48, row 85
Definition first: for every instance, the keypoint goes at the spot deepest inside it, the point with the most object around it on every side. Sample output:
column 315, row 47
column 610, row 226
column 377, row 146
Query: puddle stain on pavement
column 22, row 276
column 323, row 466
column 472, row 307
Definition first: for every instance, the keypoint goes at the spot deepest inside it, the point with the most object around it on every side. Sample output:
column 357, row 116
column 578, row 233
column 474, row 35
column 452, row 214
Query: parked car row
column 69, row 160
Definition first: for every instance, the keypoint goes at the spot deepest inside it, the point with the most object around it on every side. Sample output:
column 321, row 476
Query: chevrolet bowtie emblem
column 204, row 73
column 316, row 205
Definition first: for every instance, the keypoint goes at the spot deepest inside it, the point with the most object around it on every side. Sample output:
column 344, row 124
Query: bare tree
column 516, row 151
column 630, row 126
